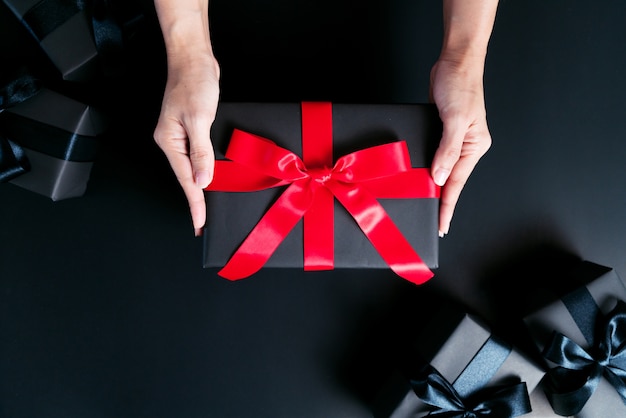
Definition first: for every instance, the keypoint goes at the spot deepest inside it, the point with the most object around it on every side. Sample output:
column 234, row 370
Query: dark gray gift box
column 449, row 343
column 64, row 33
column 606, row 288
column 60, row 137
column 232, row 215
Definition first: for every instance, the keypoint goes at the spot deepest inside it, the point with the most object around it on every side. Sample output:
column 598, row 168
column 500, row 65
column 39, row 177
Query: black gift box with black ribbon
column 582, row 336
column 457, row 365
column 57, row 139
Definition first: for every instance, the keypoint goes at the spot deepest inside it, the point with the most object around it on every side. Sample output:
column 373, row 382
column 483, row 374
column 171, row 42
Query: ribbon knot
column 577, row 372
column 320, row 175
column 355, row 180
column 503, row 401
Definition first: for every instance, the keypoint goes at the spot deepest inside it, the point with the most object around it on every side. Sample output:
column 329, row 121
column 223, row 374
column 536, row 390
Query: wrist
column 467, row 29
column 470, row 65
column 184, row 66
column 464, row 48
column 188, row 47
column 185, row 27
column 186, row 35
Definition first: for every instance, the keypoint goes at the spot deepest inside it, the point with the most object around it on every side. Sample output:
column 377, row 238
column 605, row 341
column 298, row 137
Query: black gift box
column 454, row 343
column 64, row 32
column 60, row 137
column 232, row 215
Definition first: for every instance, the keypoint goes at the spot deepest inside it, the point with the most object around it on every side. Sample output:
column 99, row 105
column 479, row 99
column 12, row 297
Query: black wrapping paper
column 231, row 215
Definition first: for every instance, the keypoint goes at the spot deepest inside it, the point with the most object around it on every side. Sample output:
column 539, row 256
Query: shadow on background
column 381, row 341
column 527, row 279
column 515, row 284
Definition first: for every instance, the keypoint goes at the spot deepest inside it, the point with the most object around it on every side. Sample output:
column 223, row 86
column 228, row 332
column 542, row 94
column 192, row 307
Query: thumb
column 447, row 154
column 201, row 154
column 202, row 163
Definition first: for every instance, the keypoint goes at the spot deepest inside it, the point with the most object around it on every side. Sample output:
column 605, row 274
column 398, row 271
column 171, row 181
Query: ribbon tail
column 268, row 233
column 567, row 401
column 382, row 233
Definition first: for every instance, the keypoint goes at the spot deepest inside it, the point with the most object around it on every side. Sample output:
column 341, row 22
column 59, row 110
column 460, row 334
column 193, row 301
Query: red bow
column 357, row 180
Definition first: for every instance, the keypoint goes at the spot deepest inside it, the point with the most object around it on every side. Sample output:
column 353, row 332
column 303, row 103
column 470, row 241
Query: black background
column 106, row 311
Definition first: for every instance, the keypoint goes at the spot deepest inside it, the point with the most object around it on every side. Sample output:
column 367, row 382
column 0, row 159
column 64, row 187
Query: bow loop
column 378, row 162
column 265, row 156
column 612, row 348
column 567, row 354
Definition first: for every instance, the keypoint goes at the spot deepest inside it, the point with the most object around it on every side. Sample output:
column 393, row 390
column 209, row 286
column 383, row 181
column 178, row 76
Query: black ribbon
column 112, row 22
column 13, row 160
column 468, row 396
column 577, row 374
column 56, row 142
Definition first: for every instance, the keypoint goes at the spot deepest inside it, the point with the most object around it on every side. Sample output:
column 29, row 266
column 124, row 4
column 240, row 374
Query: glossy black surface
column 106, row 310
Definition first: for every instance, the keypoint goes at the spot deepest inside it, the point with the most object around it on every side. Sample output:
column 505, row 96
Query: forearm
column 467, row 28
column 185, row 28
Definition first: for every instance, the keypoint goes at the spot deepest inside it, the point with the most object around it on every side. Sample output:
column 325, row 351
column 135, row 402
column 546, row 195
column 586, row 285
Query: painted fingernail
column 202, row 178
column 441, row 175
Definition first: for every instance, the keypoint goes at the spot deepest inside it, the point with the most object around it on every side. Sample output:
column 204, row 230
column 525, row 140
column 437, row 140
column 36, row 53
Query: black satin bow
column 578, row 371
column 503, row 401
column 13, row 160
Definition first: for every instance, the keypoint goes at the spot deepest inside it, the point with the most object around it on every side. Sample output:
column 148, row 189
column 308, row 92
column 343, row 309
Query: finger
column 181, row 166
column 450, row 194
column 201, row 152
column 451, row 191
column 197, row 207
column 202, row 165
column 448, row 152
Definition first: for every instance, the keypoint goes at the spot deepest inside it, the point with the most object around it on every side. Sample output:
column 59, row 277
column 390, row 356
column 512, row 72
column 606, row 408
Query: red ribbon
column 357, row 180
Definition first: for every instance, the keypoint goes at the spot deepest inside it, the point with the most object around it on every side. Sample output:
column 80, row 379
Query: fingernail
column 203, row 178
column 441, row 175
column 197, row 232
column 441, row 234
